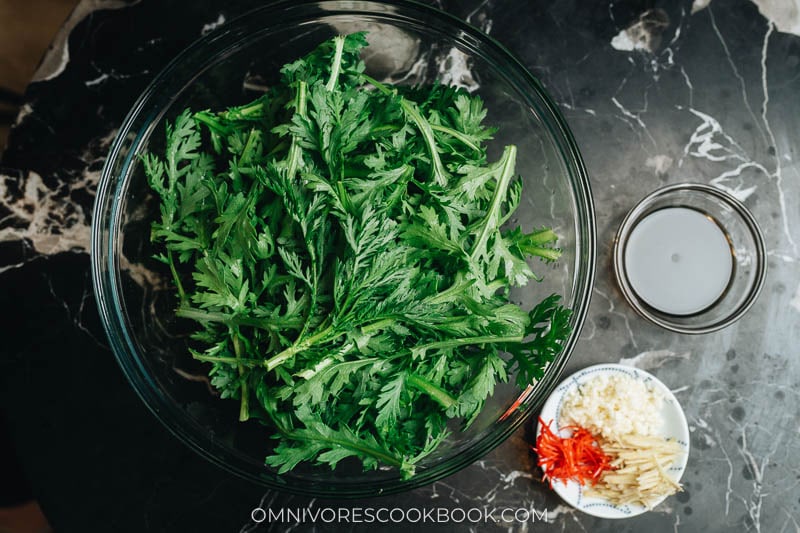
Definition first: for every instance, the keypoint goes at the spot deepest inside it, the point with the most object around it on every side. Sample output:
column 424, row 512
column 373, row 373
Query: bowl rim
column 641, row 209
column 104, row 267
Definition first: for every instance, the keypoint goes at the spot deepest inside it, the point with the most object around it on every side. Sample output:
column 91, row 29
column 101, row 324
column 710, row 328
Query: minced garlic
column 614, row 405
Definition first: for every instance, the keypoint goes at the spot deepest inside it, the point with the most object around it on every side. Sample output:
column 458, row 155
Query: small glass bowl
column 747, row 250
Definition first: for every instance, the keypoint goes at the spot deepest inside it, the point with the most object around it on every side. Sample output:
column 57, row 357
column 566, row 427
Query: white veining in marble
column 455, row 70
column 750, row 450
column 706, row 141
column 644, row 34
column 42, row 217
column 636, row 117
column 777, row 175
column 392, row 54
column 699, row 5
column 623, row 42
column 211, row 26
column 572, row 107
column 784, row 14
column 454, row 66
column 97, row 81
column 57, row 56
column 23, row 113
column 653, row 359
column 75, row 316
column 480, row 18
column 742, row 84
column 709, row 141
column 612, row 310
column 660, row 163
column 700, row 429
column 48, row 219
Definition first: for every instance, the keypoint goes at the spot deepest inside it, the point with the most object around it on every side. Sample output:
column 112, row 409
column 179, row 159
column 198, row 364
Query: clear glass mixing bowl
column 410, row 43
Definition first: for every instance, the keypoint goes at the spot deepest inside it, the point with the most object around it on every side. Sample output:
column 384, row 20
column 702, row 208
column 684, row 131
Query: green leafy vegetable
column 342, row 246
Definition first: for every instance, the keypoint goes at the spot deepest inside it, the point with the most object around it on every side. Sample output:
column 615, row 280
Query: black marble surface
column 656, row 92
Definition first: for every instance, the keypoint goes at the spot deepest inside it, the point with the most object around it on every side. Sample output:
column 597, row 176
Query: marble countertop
column 655, row 92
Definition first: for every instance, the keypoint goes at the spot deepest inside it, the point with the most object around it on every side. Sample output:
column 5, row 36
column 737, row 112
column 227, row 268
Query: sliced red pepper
column 577, row 457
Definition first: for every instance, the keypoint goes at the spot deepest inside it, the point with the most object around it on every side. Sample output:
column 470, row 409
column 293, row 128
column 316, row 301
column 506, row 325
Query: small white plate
column 674, row 426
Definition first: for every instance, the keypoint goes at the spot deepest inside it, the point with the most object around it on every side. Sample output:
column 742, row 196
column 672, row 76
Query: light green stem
column 489, row 224
column 548, row 254
column 425, row 128
column 211, row 121
column 200, row 315
column 244, row 409
column 453, row 343
column 251, row 139
column 175, row 277
column 326, row 335
column 304, row 435
column 411, row 109
column 294, row 150
column 337, row 62
column 457, row 134
column 441, row 396
column 228, row 360
column 378, row 85
column 251, row 109
column 377, row 326
column 542, row 236
column 458, row 288
column 281, row 357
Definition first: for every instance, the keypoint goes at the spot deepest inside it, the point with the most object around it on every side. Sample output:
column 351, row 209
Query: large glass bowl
column 410, row 43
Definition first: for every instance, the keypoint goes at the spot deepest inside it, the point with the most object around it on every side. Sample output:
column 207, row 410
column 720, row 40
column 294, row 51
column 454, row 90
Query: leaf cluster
column 343, row 247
